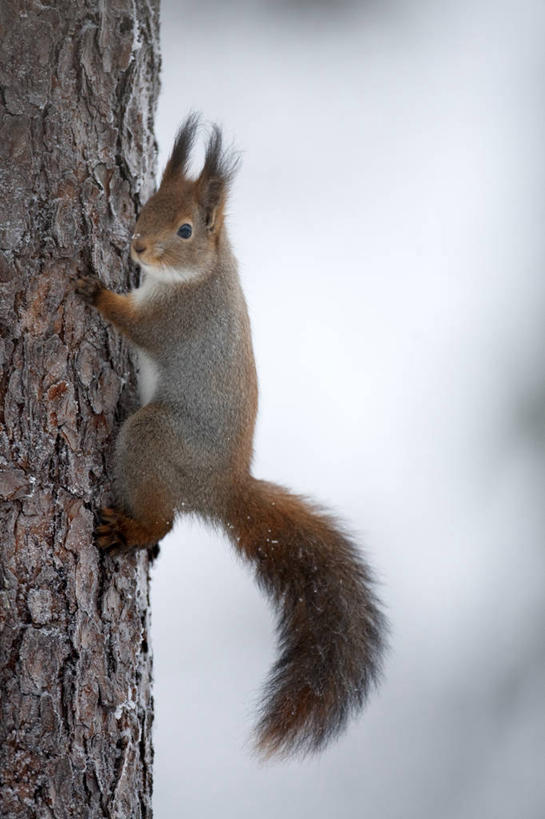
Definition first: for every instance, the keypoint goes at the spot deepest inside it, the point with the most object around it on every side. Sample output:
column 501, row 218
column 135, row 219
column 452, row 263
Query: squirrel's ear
column 179, row 158
column 213, row 183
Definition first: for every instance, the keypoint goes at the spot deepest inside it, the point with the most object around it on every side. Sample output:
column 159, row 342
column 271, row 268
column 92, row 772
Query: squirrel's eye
column 185, row 231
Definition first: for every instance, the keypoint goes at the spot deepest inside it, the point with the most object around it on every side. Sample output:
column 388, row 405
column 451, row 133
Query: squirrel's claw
column 88, row 288
column 108, row 535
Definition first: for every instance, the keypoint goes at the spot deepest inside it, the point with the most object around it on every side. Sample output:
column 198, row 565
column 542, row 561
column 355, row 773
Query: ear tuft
column 185, row 138
column 219, row 162
column 220, row 166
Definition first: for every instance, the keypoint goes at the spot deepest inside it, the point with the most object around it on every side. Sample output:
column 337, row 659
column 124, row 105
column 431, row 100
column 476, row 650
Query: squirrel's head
column 178, row 230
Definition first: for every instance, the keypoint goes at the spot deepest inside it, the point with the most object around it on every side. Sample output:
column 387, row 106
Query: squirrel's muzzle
column 139, row 246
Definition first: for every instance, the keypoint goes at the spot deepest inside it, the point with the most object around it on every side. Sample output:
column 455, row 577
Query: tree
column 79, row 82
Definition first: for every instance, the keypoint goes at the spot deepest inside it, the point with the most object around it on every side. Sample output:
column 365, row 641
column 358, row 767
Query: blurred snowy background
column 388, row 219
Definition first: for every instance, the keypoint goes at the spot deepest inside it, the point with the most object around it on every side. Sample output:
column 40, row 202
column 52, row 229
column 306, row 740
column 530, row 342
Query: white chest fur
column 151, row 288
column 148, row 377
column 157, row 284
column 148, row 372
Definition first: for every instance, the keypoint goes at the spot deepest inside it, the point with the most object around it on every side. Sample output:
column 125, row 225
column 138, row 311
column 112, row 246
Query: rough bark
column 78, row 82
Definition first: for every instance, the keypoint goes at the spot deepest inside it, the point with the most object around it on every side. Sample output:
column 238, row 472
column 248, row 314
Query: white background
column 388, row 220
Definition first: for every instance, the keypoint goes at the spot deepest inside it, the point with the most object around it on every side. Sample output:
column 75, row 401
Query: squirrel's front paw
column 88, row 288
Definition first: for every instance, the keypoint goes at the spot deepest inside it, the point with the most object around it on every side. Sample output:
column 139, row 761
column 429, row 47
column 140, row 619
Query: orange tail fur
column 330, row 626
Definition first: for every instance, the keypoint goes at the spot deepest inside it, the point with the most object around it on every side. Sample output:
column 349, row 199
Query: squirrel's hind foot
column 117, row 533
column 109, row 534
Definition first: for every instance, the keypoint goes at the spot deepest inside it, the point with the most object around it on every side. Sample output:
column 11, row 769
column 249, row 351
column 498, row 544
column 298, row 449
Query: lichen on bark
column 78, row 83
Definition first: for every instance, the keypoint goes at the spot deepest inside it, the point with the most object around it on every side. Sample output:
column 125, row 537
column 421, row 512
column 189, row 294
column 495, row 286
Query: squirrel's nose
column 139, row 246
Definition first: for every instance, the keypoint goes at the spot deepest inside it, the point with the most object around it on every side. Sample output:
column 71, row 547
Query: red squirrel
column 189, row 449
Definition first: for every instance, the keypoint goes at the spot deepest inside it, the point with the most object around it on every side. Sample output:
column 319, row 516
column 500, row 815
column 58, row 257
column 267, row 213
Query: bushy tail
column 331, row 630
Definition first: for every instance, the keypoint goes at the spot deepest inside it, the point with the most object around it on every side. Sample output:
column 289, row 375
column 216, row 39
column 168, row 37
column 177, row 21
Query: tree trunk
column 79, row 82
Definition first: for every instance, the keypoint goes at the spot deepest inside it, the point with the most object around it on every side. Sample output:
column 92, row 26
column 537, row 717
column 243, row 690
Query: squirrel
column 188, row 449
